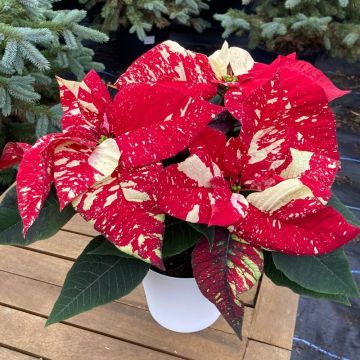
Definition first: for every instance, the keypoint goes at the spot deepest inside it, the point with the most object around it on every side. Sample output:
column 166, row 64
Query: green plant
column 305, row 26
column 37, row 42
column 141, row 15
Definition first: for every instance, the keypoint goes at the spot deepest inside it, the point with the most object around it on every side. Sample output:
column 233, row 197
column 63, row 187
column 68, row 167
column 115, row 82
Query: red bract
column 224, row 272
column 64, row 158
column 315, row 234
column 170, row 63
column 145, row 124
column 263, row 72
column 123, row 209
column 286, row 132
column 159, row 122
column 12, row 154
column 195, row 190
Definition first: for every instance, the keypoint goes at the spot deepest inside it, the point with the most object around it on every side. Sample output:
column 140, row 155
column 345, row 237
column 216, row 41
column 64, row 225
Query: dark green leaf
column 279, row 278
column 328, row 274
column 108, row 248
column 48, row 223
column 335, row 203
column 208, row 232
column 95, row 280
column 179, row 236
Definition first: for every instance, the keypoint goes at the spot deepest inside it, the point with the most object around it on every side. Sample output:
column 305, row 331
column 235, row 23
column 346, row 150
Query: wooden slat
column 274, row 315
column 64, row 244
column 71, row 245
column 260, row 351
column 78, row 225
column 6, row 354
column 61, row 342
column 53, row 270
column 122, row 321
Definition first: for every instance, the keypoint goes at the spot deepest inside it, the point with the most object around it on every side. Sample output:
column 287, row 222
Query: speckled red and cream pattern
column 228, row 270
column 12, row 154
column 122, row 207
column 159, row 122
column 195, row 190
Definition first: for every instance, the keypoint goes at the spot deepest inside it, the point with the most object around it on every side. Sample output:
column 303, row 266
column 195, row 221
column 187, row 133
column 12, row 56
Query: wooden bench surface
column 31, row 280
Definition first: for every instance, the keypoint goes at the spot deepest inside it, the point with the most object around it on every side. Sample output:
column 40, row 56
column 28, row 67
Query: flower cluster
column 221, row 140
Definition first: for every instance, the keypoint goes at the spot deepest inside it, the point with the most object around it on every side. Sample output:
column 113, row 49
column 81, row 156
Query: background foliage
column 36, row 43
column 141, row 15
column 306, row 26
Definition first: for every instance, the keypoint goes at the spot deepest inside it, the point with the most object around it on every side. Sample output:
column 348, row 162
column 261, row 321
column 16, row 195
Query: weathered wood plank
column 7, row 354
column 274, row 315
column 78, row 225
column 260, row 351
column 63, row 243
column 62, row 342
column 71, row 245
column 124, row 322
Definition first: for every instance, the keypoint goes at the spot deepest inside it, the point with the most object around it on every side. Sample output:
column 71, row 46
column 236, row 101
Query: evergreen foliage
column 36, row 43
column 306, row 26
column 141, row 15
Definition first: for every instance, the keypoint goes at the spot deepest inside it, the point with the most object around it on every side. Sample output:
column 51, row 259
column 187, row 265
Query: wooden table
column 30, row 282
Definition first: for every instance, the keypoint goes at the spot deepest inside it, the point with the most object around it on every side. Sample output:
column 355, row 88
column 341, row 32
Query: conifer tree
column 299, row 25
column 36, row 43
column 141, row 15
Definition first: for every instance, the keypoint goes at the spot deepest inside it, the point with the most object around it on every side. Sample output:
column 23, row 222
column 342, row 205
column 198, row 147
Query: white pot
column 177, row 303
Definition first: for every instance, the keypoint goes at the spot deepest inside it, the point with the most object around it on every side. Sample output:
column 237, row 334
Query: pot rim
column 171, row 277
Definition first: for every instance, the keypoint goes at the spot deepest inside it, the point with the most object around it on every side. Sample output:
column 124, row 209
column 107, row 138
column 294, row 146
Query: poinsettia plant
column 230, row 159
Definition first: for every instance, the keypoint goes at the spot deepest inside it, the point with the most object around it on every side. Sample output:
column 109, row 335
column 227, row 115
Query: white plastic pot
column 177, row 303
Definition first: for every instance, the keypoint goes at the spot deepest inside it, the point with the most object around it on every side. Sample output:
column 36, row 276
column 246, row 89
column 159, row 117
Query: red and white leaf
column 86, row 105
column 213, row 142
column 123, row 209
column 276, row 118
column 12, row 154
column 168, row 61
column 318, row 233
column 159, row 122
column 184, row 189
column 34, row 179
column 194, row 190
column 314, row 75
column 224, row 273
column 73, row 174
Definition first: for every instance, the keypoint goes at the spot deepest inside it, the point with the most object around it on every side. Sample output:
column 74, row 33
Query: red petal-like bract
column 288, row 112
column 263, row 72
column 35, row 175
column 168, row 61
column 12, row 154
column 315, row 234
column 85, row 105
column 73, row 174
column 159, row 122
column 34, row 180
column 123, row 209
column 213, row 142
column 195, row 191
column 222, row 274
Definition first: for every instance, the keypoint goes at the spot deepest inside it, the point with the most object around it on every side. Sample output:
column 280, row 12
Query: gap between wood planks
column 85, row 329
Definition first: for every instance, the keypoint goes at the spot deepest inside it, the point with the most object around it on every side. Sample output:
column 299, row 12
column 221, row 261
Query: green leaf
column 335, row 203
column 328, row 274
column 179, row 236
column 109, row 249
column 95, row 280
column 208, row 232
column 48, row 223
column 279, row 278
